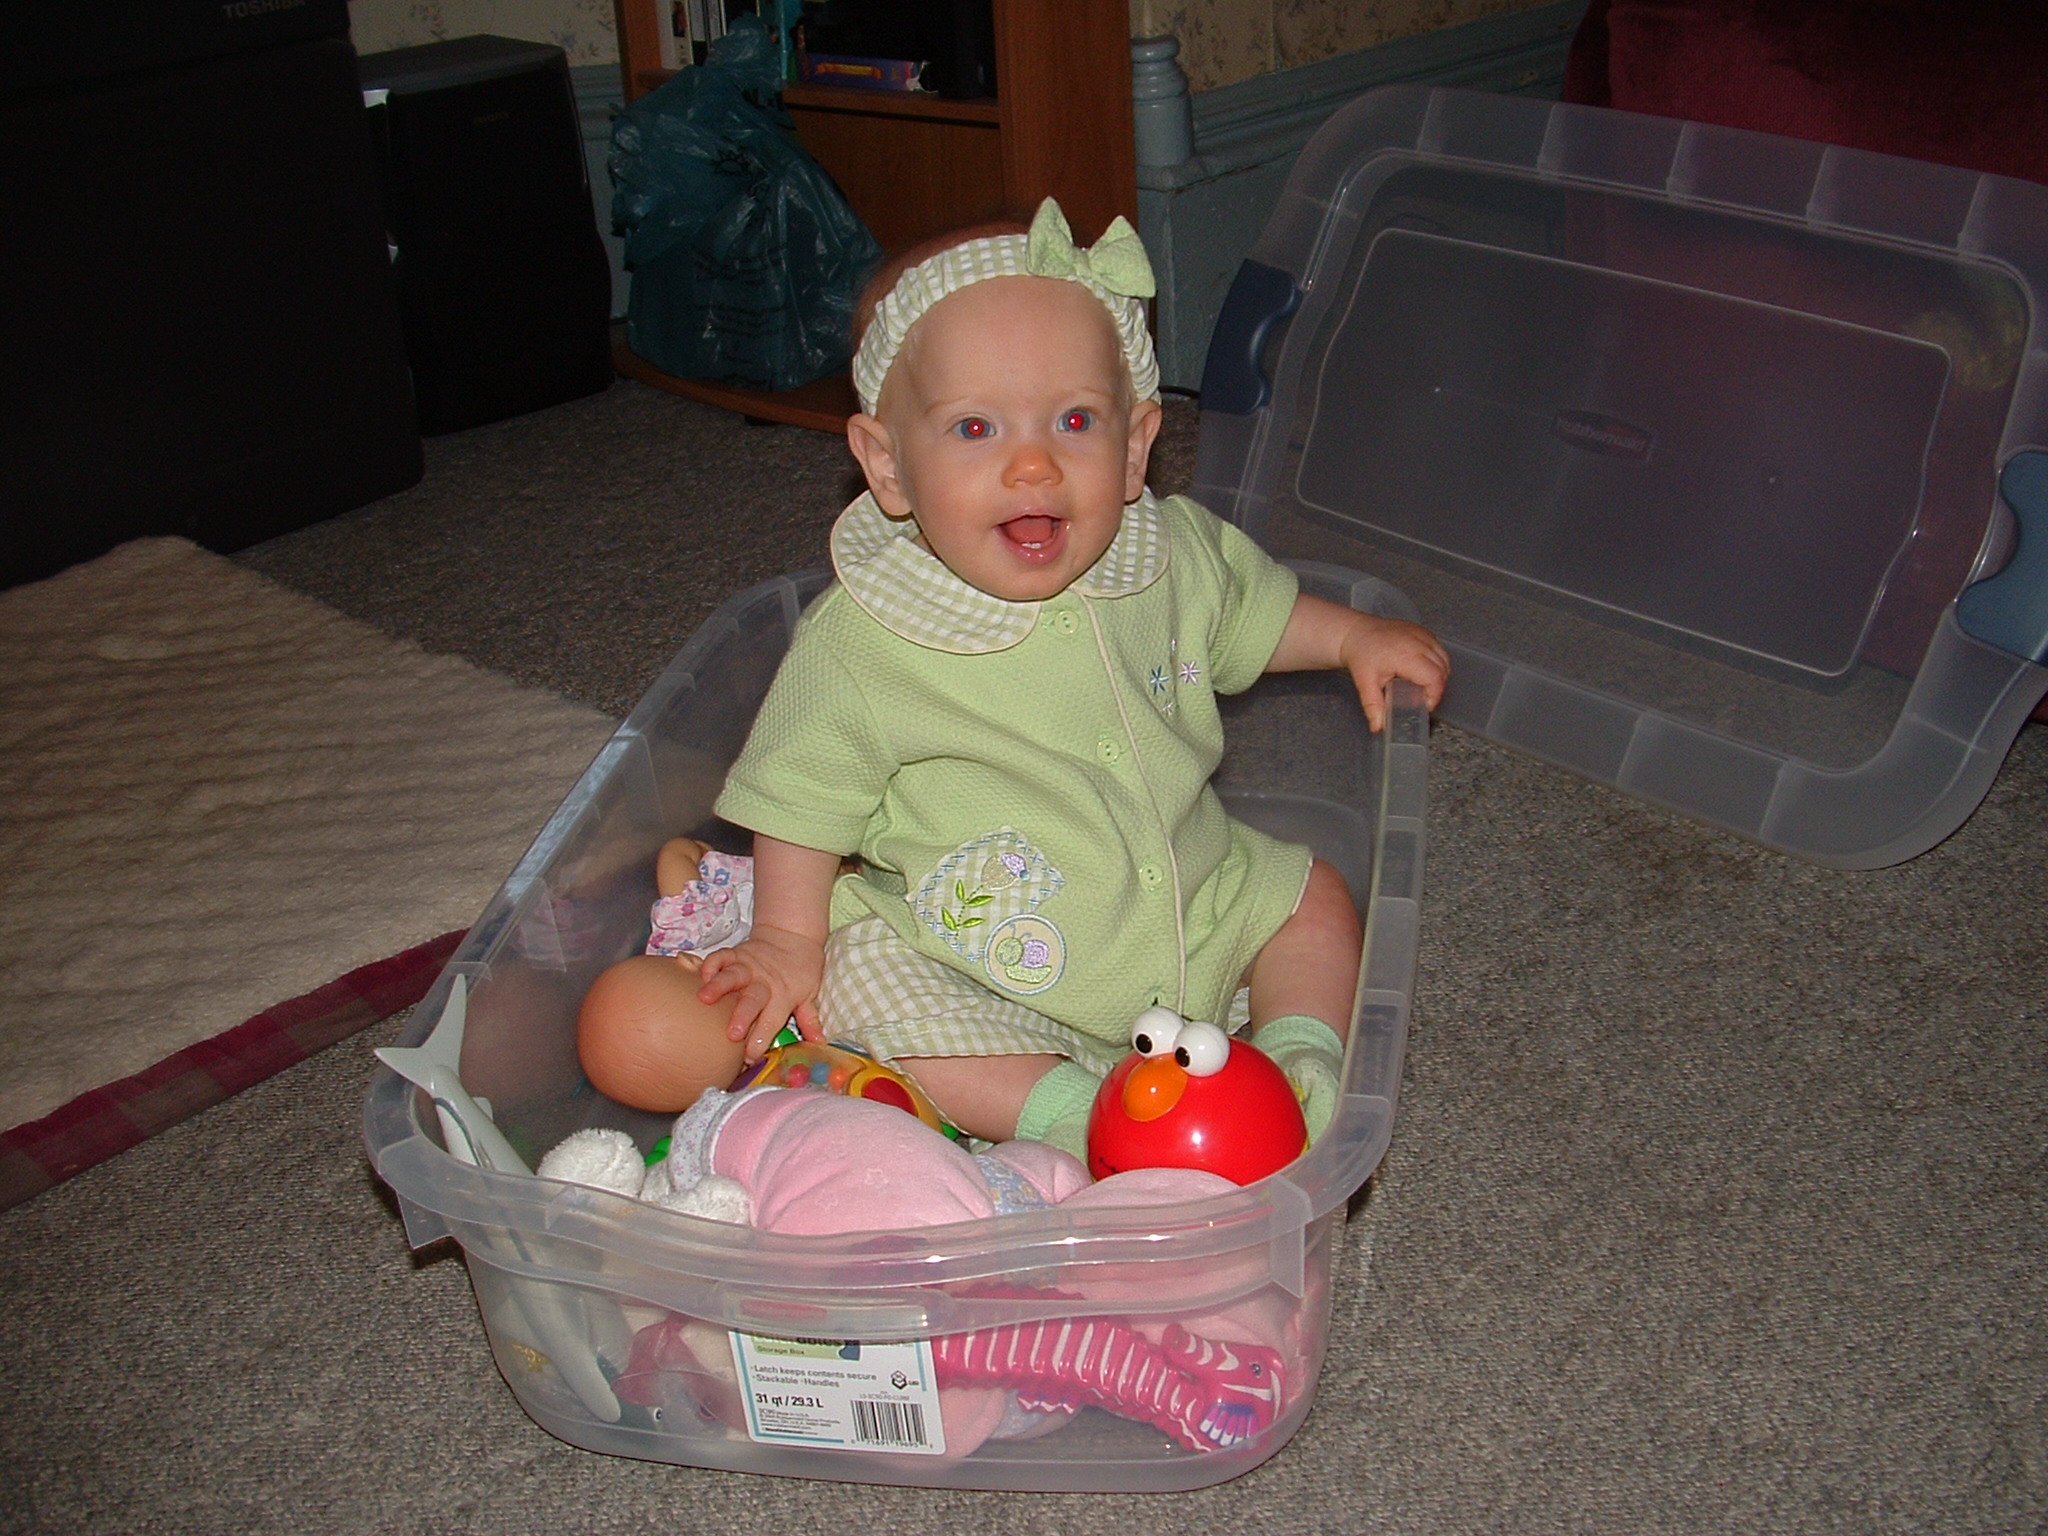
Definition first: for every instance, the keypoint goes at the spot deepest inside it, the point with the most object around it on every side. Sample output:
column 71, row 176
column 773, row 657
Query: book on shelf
column 675, row 33
column 902, row 75
column 695, row 24
column 691, row 26
column 688, row 27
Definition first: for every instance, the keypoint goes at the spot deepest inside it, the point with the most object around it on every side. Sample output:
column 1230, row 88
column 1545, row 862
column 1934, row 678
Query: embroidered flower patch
column 979, row 886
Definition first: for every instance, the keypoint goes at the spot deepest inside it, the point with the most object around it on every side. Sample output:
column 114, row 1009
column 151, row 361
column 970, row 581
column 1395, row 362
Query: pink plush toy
column 808, row 1161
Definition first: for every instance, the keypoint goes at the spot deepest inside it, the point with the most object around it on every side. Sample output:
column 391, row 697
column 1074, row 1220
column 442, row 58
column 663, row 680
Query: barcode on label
column 877, row 1421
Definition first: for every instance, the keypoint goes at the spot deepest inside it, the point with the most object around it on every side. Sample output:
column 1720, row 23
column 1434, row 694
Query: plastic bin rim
column 1281, row 1206
column 1371, row 143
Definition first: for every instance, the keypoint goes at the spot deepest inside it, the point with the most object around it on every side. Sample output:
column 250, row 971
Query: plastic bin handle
column 2010, row 610
column 841, row 1320
column 1260, row 297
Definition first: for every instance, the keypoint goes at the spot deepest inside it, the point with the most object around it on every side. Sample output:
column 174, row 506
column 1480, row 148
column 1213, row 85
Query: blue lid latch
column 1233, row 374
column 2010, row 610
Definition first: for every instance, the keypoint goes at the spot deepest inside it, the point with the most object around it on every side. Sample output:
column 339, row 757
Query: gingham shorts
column 884, row 996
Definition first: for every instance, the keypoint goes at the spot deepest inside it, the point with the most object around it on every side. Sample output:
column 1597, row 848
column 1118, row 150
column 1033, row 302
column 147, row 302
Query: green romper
column 1027, row 788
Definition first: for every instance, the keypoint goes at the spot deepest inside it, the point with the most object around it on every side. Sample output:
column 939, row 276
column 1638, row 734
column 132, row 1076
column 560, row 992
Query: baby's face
column 1006, row 429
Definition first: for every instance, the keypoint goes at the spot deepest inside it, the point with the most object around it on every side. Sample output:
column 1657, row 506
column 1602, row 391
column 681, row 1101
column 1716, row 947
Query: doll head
column 1011, row 402
column 645, row 1040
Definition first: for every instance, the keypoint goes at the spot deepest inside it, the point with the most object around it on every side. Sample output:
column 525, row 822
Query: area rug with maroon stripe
column 235, row 826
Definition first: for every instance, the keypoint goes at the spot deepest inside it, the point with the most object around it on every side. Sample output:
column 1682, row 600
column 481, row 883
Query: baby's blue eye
column 1076, row 421
column 974, row 429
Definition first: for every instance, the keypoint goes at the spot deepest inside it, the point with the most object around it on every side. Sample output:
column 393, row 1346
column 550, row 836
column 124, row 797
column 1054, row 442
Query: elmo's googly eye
column 1155, row 1031
column 1201, row 1049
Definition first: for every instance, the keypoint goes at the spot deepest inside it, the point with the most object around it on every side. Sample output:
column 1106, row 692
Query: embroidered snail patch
column 979, row 887
column 1025, row 954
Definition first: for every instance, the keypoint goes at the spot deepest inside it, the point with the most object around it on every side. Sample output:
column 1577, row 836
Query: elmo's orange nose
column 1154, row 1087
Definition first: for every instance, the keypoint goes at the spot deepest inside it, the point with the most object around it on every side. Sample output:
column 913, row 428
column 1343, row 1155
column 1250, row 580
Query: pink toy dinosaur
column 1208, row 1396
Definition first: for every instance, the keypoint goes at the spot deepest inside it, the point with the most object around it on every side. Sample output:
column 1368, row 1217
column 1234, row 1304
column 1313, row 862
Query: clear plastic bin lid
column 1716, row 458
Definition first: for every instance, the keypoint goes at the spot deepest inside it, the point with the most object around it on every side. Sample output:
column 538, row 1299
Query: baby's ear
column 875, row 446
column 1146, row 417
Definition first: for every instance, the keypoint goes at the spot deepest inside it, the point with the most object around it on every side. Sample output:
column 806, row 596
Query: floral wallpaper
column 583, row 29
column 1222, row 41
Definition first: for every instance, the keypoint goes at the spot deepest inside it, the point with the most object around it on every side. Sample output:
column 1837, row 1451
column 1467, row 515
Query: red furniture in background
column 1959, row 82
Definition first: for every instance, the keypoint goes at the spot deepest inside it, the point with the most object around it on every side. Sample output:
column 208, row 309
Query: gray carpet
column 1716, row 1201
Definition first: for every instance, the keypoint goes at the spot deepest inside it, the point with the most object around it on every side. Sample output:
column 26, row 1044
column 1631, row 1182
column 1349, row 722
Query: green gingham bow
column 1116, row 263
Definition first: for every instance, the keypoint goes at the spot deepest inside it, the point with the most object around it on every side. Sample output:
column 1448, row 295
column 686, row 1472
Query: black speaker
column 198, row 332
column 502, row 278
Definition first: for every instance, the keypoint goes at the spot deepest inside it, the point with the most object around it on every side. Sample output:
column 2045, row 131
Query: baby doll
column 646, row 1039
column 643, row 1035
column 1006, row 707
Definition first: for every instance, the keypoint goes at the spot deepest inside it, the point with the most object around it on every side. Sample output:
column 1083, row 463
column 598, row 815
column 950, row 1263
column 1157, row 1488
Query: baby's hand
column 1375, row 651
column 776, row 974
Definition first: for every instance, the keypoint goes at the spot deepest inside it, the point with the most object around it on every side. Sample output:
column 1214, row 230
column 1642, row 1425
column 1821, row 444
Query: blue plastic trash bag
column 745, row 256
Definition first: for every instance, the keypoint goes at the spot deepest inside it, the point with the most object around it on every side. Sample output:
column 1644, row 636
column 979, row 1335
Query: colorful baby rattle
column 794, row 1062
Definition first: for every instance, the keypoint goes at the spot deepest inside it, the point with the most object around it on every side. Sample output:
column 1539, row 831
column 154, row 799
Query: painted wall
column 583, row 29
column 1223, row 41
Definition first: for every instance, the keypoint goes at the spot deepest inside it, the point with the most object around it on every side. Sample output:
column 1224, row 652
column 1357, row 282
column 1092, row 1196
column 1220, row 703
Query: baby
column 1006, row 708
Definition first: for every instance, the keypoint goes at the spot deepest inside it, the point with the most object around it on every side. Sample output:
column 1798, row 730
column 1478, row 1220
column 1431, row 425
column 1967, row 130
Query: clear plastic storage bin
column 567, row 1277
column 1716, row 458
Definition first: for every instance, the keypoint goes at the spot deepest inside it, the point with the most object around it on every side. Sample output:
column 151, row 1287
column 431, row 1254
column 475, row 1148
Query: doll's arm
column 676, row 865
column 777, row 970
column 1324, row 636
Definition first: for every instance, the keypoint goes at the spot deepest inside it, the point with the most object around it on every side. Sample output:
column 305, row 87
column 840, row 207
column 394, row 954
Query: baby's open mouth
column 1033, row 533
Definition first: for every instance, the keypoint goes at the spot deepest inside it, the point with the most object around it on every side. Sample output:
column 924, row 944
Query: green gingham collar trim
column 910, row 592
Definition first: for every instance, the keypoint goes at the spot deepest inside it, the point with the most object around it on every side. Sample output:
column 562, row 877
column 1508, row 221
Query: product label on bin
column 840, row 1393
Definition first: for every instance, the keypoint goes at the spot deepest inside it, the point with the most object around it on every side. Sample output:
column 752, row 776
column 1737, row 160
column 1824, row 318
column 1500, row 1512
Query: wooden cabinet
column 914, row 165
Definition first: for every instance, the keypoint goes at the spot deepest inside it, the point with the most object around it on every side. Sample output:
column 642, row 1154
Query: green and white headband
column 1114, row 269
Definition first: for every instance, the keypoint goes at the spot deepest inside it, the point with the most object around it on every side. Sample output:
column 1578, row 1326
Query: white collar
column 910, row 592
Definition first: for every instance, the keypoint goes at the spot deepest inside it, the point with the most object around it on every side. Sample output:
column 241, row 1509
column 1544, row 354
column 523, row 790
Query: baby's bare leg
column 1311, row 964
column 980, row 1094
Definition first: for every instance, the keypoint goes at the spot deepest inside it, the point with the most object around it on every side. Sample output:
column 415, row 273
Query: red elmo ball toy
column 1189, row 1096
